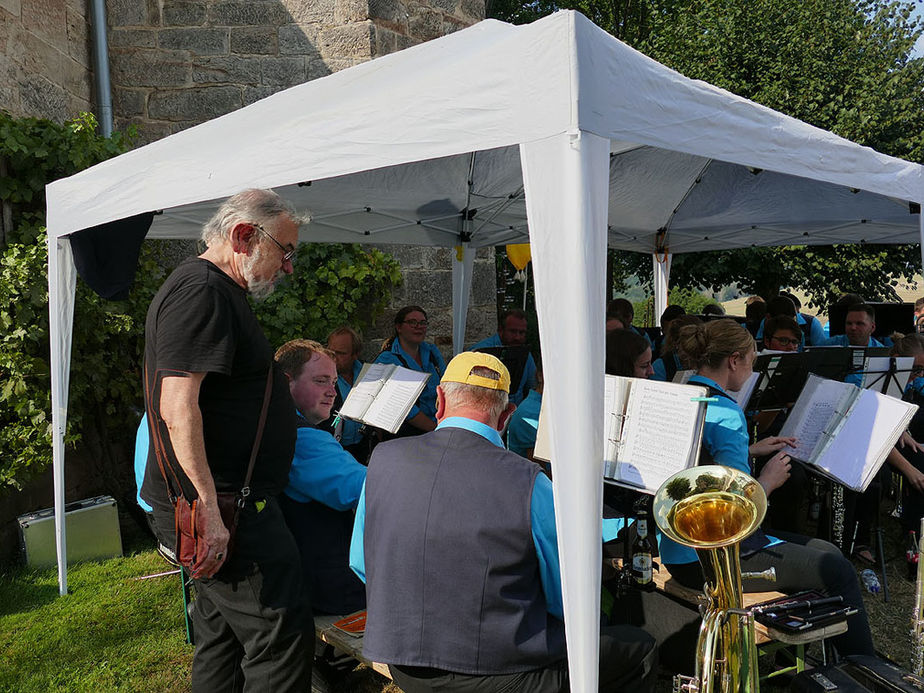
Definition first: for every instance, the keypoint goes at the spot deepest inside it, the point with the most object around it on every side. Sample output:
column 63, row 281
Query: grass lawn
column 113, row 632
column 110, row 633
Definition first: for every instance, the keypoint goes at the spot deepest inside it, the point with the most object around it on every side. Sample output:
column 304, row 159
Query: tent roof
column 396, row 148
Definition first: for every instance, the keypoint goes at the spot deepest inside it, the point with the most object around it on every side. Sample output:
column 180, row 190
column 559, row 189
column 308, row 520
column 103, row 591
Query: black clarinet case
column 858, row 673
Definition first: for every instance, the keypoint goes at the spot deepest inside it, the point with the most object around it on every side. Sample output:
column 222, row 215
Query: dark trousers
column 802, row 563
column 628, row 662
column 253, row 627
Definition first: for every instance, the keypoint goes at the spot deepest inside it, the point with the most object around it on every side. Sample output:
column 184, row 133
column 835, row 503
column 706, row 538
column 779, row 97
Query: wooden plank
column 344, row 642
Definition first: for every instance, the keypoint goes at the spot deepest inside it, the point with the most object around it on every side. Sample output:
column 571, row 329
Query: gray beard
column 258, row 288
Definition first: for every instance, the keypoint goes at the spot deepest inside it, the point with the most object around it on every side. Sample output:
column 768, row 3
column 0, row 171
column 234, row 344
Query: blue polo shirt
column 524, row 424
column 350, row 433
column 323, row 471
column 433, row 364
column 725, row 436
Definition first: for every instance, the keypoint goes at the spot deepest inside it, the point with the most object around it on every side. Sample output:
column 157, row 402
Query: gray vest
column 452, row 576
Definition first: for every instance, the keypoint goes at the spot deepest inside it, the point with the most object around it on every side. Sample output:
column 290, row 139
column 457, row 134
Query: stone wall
column 176, row 63
column 45, row 58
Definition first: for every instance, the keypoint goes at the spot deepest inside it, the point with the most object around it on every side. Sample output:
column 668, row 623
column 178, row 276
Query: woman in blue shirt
column 406, row 347
column 666, row 367
column 722, row 352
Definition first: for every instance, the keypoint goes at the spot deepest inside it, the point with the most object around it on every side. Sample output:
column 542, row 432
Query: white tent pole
column 462, row 267
column 921, row 231
column 566, row 180
column 662, row 273
column 62, row 283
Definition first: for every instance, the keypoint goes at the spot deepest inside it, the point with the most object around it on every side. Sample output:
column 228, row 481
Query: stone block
column 408, row 256
column 485, row 253
column 13, row 7
column 9, row 85
column 48, row 20
column 247, row 14
column 472, row 10
column 484, row 283
column 75, row 105
column 196, row 40
column 41, row 98
column 132, row 38
column 284, row 71
column 425, row 24
column 312, row 11
column 253, row 94
column 127, row 102
column 349, row 41
column 393, row 11
column 452, row 25
column 127, row 13
column 147, row 131
column 181, row 13
column 386, row 41
column 349, row 11
column 39, row 57
column 298, row 39
column 78, row 37
column 428, row 288
column 254, row 40
column 150, row 68
column 445, row 6
column 196, row 105
column 77, row 80
column 226, row 69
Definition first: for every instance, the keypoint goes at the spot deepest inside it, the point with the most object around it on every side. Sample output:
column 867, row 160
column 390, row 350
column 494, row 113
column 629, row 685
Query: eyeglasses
column 785, row 341
column 416, row 323
column 287, row 253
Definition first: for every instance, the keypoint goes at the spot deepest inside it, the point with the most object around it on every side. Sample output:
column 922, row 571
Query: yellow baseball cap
column 460, row 368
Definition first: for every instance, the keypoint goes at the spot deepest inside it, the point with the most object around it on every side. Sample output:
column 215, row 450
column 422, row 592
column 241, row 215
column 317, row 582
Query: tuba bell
column 713, row 509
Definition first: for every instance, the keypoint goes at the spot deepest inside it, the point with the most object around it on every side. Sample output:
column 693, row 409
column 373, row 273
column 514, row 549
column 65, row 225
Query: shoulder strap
column 245, row 489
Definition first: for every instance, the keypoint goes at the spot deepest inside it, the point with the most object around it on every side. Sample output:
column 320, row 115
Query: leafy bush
column 333, row 284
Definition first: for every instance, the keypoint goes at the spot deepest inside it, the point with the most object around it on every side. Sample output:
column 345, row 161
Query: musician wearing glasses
column 407, row 348
column 782, row 333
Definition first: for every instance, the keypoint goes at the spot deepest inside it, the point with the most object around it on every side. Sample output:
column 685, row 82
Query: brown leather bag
column 188, row 526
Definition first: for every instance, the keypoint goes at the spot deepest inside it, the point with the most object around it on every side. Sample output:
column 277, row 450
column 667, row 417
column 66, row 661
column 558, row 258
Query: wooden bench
column 344, row 642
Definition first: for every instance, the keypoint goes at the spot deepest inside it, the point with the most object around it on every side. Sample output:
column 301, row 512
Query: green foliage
column 333, row 284
column 692, row 301
column 34, row 152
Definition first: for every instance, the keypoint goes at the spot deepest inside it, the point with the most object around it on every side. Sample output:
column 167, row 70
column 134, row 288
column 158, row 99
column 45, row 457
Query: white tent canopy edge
column 558, row 98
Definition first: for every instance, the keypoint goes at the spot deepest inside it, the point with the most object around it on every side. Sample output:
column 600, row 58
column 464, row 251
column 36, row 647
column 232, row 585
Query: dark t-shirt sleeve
column 196, row 331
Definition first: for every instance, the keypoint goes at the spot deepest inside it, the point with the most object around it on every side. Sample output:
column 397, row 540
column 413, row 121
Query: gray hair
column 253, row 205
column 481, row 398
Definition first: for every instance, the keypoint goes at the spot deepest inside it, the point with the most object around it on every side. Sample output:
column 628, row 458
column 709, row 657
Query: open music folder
column 652, row 430
column 845, row 432
column 383, row 395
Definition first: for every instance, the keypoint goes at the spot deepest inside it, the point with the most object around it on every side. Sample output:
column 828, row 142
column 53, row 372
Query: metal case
column 92, row 532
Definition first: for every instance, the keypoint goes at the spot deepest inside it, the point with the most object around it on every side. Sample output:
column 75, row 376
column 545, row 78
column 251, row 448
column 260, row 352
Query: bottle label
column 642, row 527
column 641, row 568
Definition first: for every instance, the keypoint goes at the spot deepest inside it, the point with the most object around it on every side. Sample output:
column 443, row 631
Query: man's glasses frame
column 287, row 254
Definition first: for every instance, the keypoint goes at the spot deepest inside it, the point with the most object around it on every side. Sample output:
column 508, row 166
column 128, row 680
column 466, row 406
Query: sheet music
column 871, row 429
column 364, row 391
column 876, row 368
column 662, row 421
column 395, row 399
column 615, row 394
column 814, row 415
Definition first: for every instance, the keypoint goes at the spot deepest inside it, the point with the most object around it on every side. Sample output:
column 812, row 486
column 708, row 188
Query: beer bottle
column 641, row 554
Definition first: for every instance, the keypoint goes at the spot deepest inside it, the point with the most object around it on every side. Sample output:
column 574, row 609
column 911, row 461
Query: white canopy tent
column 553, row 133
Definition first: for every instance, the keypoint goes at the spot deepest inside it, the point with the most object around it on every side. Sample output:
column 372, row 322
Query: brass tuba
column 712, row 509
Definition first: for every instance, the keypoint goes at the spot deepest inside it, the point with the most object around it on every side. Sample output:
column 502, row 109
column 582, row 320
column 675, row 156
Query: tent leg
column 566, row 180
column 462, row 268
column 662, row 273
column 62, row 282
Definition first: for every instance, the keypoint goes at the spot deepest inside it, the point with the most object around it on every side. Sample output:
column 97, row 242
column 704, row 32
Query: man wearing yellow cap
column 455, row 539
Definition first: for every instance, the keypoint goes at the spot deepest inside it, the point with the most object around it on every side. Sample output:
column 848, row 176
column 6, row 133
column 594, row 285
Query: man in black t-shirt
column 206, row 362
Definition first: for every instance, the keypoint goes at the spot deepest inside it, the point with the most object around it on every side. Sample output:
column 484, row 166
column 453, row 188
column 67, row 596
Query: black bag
column 858, row 673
